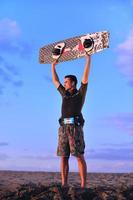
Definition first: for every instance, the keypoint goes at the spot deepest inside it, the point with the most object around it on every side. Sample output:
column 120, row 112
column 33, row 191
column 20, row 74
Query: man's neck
column 72, row 89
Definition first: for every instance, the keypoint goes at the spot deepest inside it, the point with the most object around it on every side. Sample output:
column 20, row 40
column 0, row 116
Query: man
column 71, row 137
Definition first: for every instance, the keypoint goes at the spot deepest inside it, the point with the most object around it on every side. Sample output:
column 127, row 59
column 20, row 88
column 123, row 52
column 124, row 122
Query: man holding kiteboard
column 71, row 136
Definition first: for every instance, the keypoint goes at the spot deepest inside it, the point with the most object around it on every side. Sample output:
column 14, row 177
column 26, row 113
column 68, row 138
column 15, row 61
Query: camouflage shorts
column 70, row 140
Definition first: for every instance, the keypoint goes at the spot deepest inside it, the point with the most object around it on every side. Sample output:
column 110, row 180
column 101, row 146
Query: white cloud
column 11, row 39
column 9, row 29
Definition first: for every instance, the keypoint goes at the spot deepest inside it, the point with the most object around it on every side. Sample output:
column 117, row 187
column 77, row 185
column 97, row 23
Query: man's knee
column 65, row 158
column 80, row 157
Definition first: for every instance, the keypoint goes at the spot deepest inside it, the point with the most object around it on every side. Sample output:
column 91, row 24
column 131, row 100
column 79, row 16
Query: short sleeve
column 61, row 89
column 83, row 89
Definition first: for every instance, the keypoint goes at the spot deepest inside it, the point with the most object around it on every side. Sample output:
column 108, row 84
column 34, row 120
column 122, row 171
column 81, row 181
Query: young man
column 71, row 136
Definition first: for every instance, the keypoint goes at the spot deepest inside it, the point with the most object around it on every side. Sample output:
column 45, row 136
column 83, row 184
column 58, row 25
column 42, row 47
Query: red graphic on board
column 80, row 47
column 66, row 50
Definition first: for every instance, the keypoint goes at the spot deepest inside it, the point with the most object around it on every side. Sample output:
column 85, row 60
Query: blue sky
column 29, row 102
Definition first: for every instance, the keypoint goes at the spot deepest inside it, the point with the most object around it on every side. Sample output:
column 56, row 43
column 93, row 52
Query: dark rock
column 33, row 191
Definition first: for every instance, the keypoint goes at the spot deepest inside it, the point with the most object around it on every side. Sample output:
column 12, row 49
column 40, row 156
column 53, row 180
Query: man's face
column 68, row 84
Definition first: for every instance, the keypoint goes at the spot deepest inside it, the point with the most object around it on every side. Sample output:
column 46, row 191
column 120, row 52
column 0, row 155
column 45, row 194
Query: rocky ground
column 46, row 186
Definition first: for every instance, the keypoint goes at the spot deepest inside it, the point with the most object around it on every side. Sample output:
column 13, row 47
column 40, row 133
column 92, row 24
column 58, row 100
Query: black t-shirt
column 72, row 103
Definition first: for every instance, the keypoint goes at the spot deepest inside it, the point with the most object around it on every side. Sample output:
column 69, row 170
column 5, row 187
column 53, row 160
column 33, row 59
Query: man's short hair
column 72, row 78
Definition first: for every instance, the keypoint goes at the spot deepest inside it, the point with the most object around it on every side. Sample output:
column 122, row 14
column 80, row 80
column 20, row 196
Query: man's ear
column 73, row 83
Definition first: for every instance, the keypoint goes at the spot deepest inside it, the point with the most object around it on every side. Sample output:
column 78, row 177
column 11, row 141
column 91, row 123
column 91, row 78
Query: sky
column 30, row 105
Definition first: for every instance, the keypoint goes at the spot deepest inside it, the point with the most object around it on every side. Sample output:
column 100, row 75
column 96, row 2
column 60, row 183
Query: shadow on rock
column 32, row 191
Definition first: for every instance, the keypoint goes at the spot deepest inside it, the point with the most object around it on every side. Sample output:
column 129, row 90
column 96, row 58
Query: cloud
column 11, row 43
column 8, row 75
column 109, row 152
column 47, row 78
column 5, row 76
column 3, row 157
column 47, row 156
column 18, row 83
column 10, row 39
column 109, row 166
column 123, row 121
column 3, row 144
column 9, row 29
column 98, row 160
column 125, row 57
column 123, row 154
column 128, row 144
column 11, row 68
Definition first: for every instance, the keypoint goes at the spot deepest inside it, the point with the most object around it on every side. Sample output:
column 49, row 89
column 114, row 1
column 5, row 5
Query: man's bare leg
column 82, row 170
column 64, row 170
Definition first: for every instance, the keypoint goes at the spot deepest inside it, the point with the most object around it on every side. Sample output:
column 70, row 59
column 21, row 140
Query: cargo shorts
column 70, row 140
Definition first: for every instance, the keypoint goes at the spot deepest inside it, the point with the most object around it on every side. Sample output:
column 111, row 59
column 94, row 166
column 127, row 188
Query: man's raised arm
column 54, row 75
column 86, row 70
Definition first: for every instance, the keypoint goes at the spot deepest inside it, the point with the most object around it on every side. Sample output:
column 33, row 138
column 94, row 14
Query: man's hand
column 87, row 69
column 54, row 74
column 55, row 62
column 88, row 57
